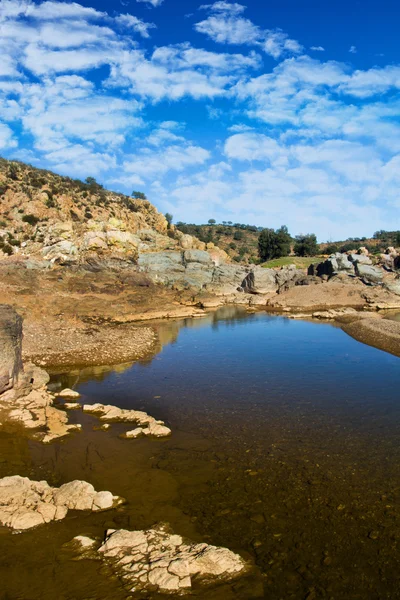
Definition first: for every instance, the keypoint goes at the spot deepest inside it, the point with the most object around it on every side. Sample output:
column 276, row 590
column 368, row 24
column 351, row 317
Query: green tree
column 274, row 244
column 211, row 221
column 139, row 195
column 169, row 218
column 238, row 235
column 306, row 245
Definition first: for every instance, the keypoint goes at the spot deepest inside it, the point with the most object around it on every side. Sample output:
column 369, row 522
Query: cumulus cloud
column 173, row 158
column 225, row 25
column 313, row 143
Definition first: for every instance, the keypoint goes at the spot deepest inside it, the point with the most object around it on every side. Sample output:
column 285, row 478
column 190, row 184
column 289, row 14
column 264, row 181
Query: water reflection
column 284, row 447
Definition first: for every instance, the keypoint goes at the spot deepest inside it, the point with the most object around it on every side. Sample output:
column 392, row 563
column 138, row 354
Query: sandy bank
column 380, row 333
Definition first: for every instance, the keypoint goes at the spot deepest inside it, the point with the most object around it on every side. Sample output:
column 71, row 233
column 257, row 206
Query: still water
column 285, row 448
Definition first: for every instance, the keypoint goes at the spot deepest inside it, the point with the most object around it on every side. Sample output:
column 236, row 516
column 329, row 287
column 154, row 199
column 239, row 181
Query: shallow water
column 285, row 448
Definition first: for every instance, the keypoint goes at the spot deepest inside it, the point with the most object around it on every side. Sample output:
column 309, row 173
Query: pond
column 285, row 448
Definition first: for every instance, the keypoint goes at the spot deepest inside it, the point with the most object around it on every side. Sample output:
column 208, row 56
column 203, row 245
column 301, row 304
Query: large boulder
column 260, row 281
column 288, row 277
column 10, row 347
column 163, row 267
column 393, row 286
column 197, row 256
column 64, row 252
column 369, row 274
column 227, row 279
column 362, row 259
column 336, row 263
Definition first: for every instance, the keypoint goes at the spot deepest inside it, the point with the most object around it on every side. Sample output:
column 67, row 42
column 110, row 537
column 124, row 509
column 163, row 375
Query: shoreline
column 131, row 338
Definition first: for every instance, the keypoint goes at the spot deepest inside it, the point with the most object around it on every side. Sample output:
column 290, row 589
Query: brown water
column 285, row 448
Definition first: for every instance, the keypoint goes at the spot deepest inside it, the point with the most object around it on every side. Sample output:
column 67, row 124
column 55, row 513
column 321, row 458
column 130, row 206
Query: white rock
column 135, row 433
column 72, row 406
column 25, row 504
column 158, row 558
column 68, row 393
column 103, row 500
column 148, row 425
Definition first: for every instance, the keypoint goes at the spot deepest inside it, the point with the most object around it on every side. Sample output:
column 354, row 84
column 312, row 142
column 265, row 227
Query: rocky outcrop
column 160, row 561
column 369, row 274
column 10, row 347
column 362, row 259
column 147, row 425
column 393, row 286
column 25, row 504
column 336, row 263
column 359, row 265
column 24, row 398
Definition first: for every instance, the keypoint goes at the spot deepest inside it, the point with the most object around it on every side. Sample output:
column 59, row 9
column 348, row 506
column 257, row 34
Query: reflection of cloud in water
column 167, row 333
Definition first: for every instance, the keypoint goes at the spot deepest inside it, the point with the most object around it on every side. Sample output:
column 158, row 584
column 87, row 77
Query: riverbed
column 284, row 448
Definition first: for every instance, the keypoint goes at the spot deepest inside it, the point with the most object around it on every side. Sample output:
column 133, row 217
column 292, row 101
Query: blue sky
column 263, row 112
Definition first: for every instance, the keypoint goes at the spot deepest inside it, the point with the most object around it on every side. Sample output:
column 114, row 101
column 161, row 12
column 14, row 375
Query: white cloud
column 317, row 48
column 353, row 50
column 226, row 26
column 222, row 6
column 154, row 3
column 253, row 147
column 7, row 139
column 310, row 142
column 239, row 128
column 173, row 158
column 134, row 23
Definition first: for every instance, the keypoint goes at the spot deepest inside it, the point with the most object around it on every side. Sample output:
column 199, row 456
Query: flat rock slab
column 157, row 559
column 25, row 504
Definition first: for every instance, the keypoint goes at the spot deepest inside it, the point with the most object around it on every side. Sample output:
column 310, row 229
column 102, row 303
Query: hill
column 239, row 241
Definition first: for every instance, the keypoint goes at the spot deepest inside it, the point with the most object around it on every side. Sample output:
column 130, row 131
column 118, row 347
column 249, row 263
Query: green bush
column 306, row 245
column 31, row 219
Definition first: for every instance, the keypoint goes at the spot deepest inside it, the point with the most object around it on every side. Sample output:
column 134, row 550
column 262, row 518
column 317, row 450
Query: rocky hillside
column 239, row 241
column 64, row 220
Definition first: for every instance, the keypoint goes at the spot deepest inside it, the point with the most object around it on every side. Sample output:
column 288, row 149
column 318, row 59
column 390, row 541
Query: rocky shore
column 155, row 560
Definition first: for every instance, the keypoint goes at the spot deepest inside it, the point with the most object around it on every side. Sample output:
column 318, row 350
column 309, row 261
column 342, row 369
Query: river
column 285, row 448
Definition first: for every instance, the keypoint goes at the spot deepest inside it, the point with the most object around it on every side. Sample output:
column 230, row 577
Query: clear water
column 285, row 448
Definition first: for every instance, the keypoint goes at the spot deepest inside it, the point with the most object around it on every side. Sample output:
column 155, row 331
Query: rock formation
column 158, row 560
column 25, row 504
column 10, row 347
column 23, row 396
column 147, row 425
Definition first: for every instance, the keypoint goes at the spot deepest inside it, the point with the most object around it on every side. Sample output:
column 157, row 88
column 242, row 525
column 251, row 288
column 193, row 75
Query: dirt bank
column 380, row 333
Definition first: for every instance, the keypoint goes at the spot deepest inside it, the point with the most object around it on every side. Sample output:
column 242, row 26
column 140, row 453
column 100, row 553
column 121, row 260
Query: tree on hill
column 306, row 245
column 169, row 218
column 274, row 244
column 211, row 221
column 139, row 195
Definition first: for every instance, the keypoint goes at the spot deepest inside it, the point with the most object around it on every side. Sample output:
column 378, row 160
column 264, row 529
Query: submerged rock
column 148, row 425
column 159, row 559
column 25, row 504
